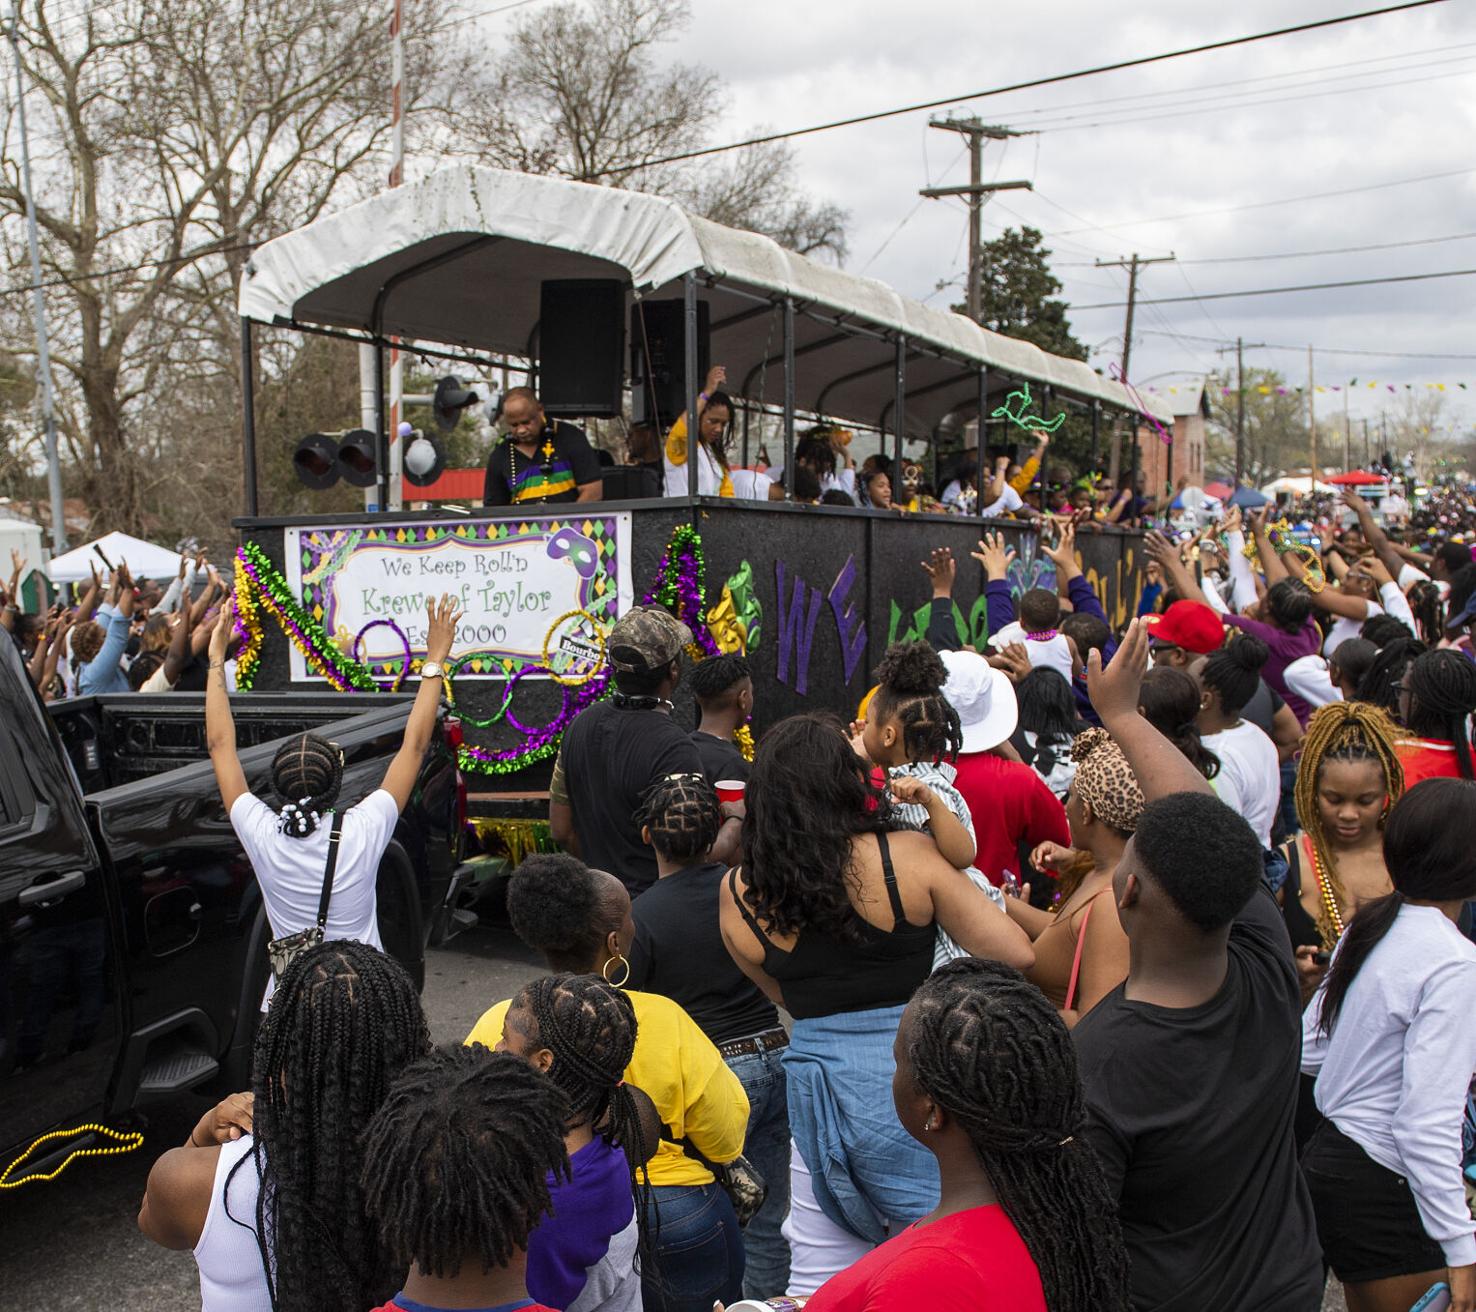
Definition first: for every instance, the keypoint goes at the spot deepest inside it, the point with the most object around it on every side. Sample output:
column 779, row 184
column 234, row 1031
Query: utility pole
column 38, row 307
column 1367, row 457
column 1347, row 435
column 978, row 191
column 1132, row 265
column 1239, row 348
column 1312, row 419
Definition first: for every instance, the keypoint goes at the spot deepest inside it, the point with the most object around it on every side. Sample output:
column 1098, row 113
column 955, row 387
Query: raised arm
column 1160, row 767
column 399, row 779
column 1272, row 565
column 220, row 728
column 90, row 599
column 996, row 558
column 1176, row 570
column 178, row 655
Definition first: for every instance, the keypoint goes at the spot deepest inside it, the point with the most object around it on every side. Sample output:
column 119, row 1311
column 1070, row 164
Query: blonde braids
column 1349, row 731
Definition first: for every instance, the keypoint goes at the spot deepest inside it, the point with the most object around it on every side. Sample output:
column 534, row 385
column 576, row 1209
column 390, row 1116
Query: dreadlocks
column 987, row 1047
column 306, row 772
column 1442, row 695
column 458, row 1158
column 1380, row 682
column 1342, row 731
column 345, row 1021
column 682, row 813
column 590, row 1028
column 910, row 683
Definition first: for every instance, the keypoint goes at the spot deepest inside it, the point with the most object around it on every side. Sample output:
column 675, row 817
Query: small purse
column 739, row 1179
column 281, row 951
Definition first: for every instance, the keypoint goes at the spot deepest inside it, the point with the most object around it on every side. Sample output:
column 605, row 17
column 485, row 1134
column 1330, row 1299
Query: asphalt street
column 73, row 1246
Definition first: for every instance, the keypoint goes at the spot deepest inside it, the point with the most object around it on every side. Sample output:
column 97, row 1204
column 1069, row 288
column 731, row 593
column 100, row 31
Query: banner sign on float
column 519, row 582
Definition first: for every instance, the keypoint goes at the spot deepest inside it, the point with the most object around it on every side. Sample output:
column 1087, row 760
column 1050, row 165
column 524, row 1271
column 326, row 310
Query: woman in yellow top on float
column 580, row 920
column 714, row 418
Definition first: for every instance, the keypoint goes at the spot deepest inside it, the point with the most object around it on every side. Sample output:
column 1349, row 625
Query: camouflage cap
column 645, row 638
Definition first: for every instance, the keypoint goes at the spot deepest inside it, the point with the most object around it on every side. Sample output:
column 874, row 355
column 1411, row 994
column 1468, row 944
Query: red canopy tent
column 1357, row 478
column 1221, row 490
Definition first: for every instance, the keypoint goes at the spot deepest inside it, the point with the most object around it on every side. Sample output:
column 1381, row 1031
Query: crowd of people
column 1089, row 970
column 541, row 460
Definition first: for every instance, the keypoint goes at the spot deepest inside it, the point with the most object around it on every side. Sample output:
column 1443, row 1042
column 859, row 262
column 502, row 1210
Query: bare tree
column 172, row 138
column 581, row 91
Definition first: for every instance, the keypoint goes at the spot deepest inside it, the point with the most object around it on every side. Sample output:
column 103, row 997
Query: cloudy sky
column 1167, row 158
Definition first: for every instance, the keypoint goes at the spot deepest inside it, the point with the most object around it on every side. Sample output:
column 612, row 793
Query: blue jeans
column 767, row 1147
column 699, row 1251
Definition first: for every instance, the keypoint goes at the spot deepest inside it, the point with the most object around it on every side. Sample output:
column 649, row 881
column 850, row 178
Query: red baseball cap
column 1192, row 625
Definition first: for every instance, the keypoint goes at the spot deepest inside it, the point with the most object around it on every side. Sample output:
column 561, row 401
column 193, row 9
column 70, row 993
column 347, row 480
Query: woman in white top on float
column 714, row 417
column 288, row 848
column 1390, row 1039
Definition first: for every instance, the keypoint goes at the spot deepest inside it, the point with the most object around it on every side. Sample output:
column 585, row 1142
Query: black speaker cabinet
column 658, row 376
column 581, row 347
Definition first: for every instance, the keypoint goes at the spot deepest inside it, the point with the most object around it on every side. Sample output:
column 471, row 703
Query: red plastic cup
column 729, row 790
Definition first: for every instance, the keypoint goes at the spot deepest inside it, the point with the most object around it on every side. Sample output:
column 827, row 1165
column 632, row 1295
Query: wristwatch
column 432, row 670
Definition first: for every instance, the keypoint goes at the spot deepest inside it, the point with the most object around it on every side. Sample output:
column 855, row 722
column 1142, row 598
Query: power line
column 1266, row 204
column 1299, row 74
column 1321, row 350
column 1293, row 255
column 483, row 13
column 1140, row 62
column 1281, row 291
column 70, row 280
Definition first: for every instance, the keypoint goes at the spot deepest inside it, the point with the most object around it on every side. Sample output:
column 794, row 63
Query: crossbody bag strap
column 691, row 1150
column 327, row 893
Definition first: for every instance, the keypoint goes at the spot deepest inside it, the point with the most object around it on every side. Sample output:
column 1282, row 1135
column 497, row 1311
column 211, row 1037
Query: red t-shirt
column 1010, row 805
column 973, row 1261
column 1427, row 758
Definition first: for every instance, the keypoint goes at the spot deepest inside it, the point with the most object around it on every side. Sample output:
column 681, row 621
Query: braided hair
column 307, row 772
column 590, row 1028
column 1381, row 630
column 910, row 683
column 458, row 1158
column 682, row 813
column 1342, row 731
column 987, row 1047
column 1442, row 695
column 345, row 1021
column 1380, row 682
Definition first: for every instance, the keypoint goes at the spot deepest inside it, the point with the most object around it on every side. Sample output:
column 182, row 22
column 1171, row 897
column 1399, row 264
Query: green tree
column 1275, row 427
column 1020, row 298
column 1020, row 294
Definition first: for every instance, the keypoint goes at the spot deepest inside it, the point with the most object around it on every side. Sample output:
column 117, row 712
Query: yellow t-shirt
column 677, row 1066
column 1022, row 481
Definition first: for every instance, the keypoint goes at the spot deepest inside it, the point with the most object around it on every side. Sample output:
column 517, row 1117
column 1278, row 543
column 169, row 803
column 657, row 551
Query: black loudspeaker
column 658, row 357
column 629, row 483
column 581, row 346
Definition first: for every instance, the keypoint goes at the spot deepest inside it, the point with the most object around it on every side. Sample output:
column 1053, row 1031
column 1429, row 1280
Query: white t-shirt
column 1008, row 502
column 1344, row 628
column 1394, row 1074
column 290, row 870
column 750, row 485
column 709, row 476
column 232, row 1278
column 1249, row 781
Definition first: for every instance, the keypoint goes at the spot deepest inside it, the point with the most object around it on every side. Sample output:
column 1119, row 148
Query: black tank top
column 823, row 976
column 1302, row 928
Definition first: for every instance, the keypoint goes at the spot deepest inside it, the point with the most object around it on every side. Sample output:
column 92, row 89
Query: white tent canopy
column 145, row 560
column 1297, row 485
column 459, row 259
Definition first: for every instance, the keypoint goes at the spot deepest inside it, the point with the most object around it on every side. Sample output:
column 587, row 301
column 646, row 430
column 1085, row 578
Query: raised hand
column 223, row 626
column 1063, row 554
column 994, row 556
column 941, row 569
column 1114, row 690
column 442, row 618
column 716, row 377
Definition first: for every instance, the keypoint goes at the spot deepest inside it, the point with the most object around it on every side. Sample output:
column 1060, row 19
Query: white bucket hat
column 983, row 697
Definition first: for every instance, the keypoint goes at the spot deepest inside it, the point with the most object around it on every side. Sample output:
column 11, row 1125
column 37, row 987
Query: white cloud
column 1406, row 108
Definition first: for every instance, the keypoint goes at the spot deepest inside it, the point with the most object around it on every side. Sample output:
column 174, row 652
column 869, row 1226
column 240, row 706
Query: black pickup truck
column 132, row 935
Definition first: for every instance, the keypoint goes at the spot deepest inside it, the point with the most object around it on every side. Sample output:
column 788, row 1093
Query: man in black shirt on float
column 540, row 461
column 616, row 749
column 1191, row 1066
column 723, row 687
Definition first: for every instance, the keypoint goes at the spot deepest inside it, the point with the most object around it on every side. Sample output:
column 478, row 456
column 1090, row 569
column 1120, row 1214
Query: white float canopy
column 145, row 560
column 458, row 259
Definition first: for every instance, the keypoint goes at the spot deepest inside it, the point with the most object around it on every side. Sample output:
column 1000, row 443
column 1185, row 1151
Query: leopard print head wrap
column 1105, row 781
